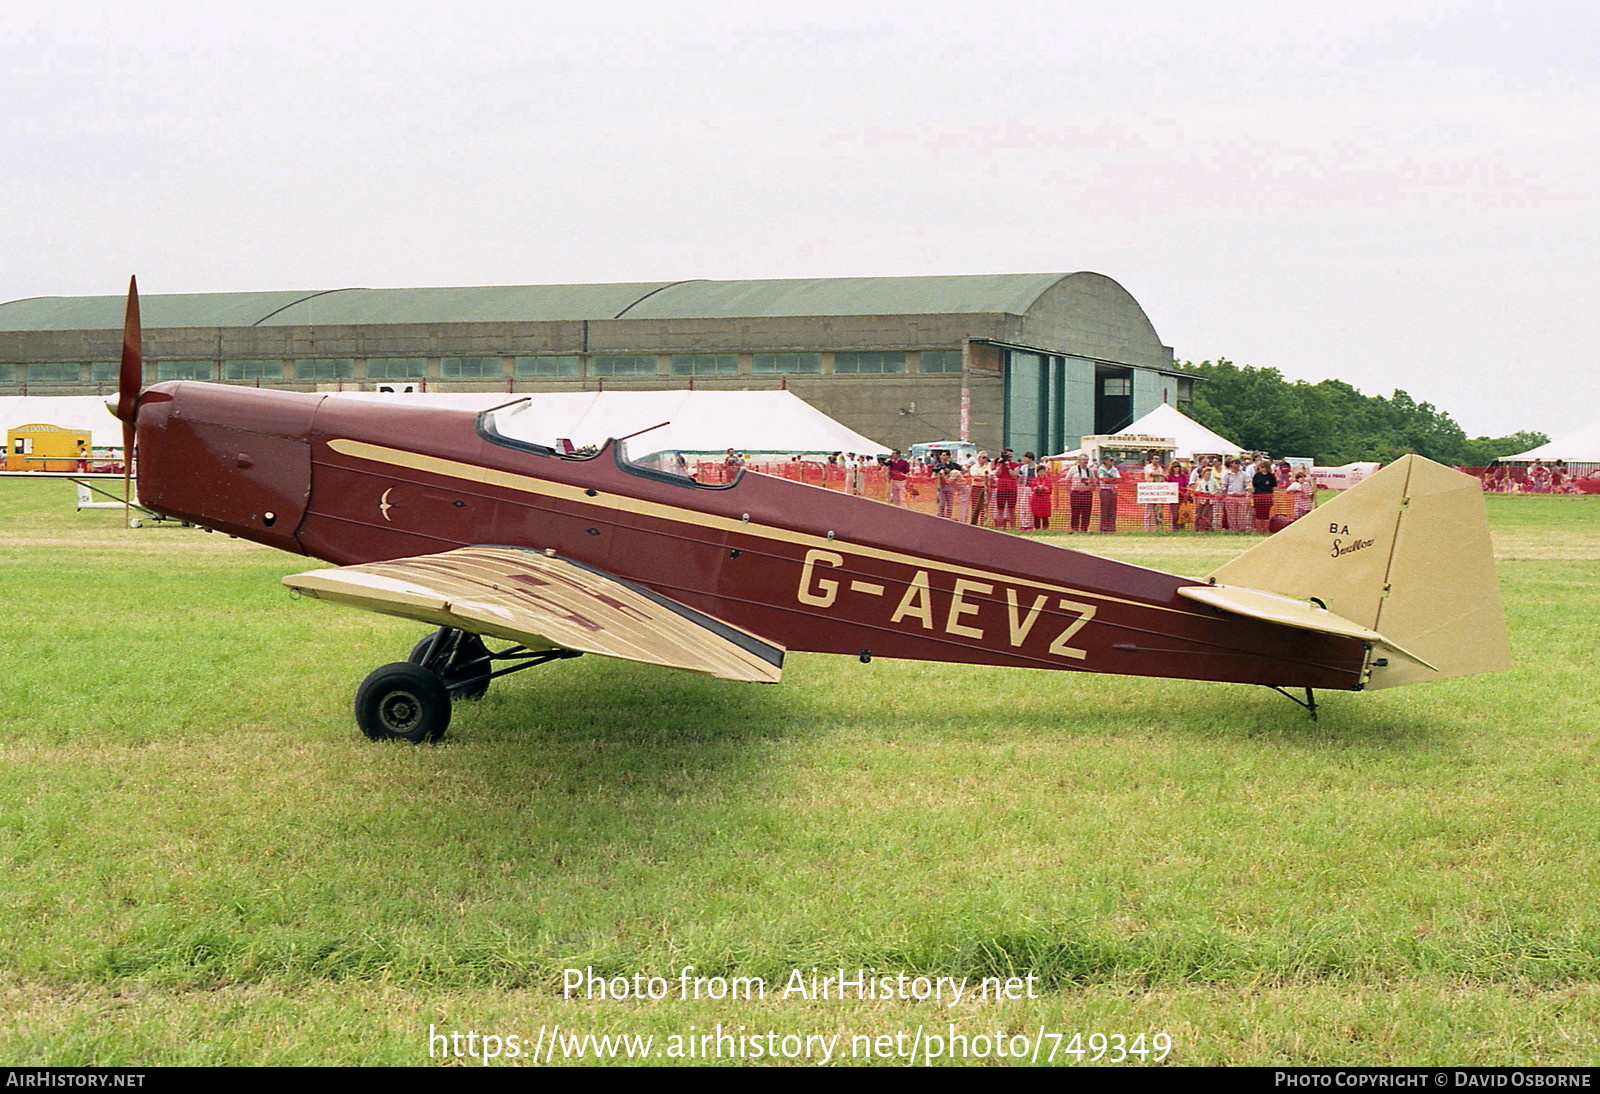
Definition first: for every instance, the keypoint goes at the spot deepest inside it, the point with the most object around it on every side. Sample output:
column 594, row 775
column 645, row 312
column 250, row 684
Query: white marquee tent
column 1190, row 435
column 1579, row 446
column 701, row 421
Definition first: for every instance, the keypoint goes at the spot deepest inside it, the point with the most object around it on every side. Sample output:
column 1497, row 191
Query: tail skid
column 1402, row 561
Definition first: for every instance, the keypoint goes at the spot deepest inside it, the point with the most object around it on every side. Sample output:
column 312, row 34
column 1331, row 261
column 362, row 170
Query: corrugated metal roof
column 221, row 309
column 329, row 307
column 964, row 293
column 480, row 304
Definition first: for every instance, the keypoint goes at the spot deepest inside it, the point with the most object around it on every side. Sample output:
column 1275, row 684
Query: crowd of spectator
column 1537, row 477
column 1025, row 493
column 1248, row 494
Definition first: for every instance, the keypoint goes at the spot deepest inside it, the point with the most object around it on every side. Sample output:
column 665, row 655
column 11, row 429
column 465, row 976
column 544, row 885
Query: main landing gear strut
column 410, row 700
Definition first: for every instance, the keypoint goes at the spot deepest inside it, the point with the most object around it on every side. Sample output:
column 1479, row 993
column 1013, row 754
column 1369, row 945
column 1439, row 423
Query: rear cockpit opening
column 647, row 451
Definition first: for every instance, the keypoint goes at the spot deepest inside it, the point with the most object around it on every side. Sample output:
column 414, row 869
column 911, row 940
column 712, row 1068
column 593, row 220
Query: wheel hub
column 401, row 711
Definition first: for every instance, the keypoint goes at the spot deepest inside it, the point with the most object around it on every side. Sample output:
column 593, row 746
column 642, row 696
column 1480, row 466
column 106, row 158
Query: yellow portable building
column 41, row 447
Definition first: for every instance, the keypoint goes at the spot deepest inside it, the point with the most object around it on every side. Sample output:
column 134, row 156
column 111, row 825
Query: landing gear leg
column 459, row 659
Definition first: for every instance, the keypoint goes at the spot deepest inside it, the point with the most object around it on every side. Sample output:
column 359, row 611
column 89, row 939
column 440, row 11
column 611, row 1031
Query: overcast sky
column 1398, row 195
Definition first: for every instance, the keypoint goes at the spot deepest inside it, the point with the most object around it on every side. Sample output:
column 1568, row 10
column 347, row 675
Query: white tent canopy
column 1580, row 446
column 1190, row 435
column 702, row 421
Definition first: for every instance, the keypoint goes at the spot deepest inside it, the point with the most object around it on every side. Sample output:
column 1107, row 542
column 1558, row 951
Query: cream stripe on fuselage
column 530, row 484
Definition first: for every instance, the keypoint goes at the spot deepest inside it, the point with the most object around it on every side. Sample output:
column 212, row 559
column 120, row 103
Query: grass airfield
column 205, row 863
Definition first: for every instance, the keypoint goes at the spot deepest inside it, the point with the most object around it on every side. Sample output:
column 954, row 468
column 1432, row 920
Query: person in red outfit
column 1041, row 493
column 1005, row 491
column 1262, row 484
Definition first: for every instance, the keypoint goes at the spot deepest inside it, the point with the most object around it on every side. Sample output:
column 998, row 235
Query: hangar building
column 1030, row 361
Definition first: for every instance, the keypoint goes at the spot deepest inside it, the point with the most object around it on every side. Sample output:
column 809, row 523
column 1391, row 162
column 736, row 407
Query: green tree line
column 1333, row 422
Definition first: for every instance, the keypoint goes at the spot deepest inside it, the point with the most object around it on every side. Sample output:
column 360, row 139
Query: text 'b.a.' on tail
column 1402, row 561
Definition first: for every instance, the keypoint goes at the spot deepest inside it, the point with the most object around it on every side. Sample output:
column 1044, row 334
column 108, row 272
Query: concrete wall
column 1148, row 388
column 1090, row 315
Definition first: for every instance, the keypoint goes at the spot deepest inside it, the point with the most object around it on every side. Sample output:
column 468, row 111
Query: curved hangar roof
column 1011, row 294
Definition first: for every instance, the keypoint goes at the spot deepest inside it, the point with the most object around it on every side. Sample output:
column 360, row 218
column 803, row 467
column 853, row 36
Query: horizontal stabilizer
column 1277, row 608
column 542, row 601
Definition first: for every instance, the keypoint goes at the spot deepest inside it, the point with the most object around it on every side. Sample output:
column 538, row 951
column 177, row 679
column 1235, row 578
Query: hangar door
column 1049, row 401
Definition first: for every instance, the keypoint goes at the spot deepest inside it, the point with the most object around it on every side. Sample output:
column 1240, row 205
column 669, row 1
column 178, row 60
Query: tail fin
column 1405, row 554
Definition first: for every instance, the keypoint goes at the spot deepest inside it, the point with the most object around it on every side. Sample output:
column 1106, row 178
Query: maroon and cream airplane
column 454, row 519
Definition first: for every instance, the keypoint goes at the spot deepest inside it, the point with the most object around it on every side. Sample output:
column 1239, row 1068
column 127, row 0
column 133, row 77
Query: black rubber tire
column 469, row 650
column 403, row 702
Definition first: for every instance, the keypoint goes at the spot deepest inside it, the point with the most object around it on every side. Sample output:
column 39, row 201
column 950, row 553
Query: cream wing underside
column 542, row 601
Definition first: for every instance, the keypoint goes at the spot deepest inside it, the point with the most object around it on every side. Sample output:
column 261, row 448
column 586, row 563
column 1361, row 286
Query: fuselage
column 350, row 481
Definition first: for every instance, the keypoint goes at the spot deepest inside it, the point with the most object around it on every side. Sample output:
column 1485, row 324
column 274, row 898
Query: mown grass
column 203, row 862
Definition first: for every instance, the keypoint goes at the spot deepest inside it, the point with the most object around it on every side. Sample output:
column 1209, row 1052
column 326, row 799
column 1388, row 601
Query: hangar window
column 786, row 364
column 939, row 360
column 636, row 364
column 396, row 368
column 470, row 368
column 547, row 367
column 329, row 369
column 8, row 374
column 1116, row 385
column 252, row 370
column 705, row 364
column 861, row 363
column 183, row 370
column 103, row 372
column 52, row 373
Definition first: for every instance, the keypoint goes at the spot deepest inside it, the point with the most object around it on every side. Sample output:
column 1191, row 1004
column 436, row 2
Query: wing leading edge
column 542, row 601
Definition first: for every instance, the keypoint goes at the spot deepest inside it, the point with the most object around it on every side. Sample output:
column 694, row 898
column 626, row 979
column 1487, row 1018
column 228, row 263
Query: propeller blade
column 131, row 376
column 130, row 379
